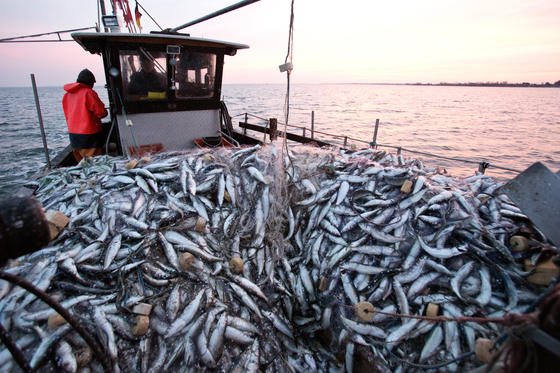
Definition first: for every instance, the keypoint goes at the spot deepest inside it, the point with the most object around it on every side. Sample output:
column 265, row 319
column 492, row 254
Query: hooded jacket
column 83, row 109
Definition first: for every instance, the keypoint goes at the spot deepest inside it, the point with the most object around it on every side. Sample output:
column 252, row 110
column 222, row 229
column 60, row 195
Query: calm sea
column 507, row 127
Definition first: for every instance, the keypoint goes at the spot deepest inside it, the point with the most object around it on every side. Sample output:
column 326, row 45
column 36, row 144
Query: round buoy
column 544, row 272
column 324, row 283
column 432, row 310
column 365, row 311
column 200, row 224
column 186, row 260
column 236, row 264
column 519, row 243
column 55, row 321
column 227, row 197
column 131, row 164
column 141, row 326
column 57, row 221
column 483, row 350
column 406, row 187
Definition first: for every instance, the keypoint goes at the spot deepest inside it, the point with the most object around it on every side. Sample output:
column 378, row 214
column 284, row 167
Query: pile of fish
column 253, row 259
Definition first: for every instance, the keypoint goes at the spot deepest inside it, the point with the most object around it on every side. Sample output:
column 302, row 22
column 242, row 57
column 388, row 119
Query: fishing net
column 254, row 258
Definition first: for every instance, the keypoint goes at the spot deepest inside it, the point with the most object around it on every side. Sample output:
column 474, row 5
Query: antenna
column 16, row 39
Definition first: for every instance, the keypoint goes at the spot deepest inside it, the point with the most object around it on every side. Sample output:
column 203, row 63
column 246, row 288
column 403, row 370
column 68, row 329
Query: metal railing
column 343, row 141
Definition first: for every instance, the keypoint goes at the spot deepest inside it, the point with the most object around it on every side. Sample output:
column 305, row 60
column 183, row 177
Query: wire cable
column 148, row 14
column 288, row 59
column 403, row 149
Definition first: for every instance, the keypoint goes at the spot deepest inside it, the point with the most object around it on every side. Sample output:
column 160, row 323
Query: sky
column 351, row 41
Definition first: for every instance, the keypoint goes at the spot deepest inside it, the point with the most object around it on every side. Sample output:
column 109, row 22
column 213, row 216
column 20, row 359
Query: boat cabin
column 164, row 89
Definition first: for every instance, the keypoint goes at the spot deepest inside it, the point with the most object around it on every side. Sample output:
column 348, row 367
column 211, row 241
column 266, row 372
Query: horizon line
column 466, row 84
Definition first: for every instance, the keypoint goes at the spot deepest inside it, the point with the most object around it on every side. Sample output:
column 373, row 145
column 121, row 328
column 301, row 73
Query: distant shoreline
column 489, row 84
column 531, row 85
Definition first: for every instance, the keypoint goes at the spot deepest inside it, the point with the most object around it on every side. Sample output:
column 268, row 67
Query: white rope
column 288, row 60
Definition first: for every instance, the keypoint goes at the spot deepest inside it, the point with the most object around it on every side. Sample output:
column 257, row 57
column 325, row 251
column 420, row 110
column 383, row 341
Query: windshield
column 193, row 74
column 144, row 74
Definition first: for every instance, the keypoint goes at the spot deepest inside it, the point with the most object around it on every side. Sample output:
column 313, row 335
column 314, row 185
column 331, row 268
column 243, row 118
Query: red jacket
column 83, row 109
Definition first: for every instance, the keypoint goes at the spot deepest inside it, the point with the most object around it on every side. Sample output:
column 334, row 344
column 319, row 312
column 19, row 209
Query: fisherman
column 83, row 111
column 146, row 83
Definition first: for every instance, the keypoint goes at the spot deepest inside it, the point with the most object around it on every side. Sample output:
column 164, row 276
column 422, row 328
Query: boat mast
column 103, row 13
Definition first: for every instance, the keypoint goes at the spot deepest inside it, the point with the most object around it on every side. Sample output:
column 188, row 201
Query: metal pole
column 273, row 127
column 215, row 14
column 374, row 142
column 312, row 124
column 304, row 131
column 103, row 12
column 40, row 120
column 245, row 129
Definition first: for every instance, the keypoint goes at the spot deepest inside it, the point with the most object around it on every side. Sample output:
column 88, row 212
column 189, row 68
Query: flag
column 127, row 14
column 138, row 15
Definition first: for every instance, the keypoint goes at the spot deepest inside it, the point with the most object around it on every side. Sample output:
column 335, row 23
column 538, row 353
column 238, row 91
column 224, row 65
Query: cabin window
column 144, row 75
column 193, row 74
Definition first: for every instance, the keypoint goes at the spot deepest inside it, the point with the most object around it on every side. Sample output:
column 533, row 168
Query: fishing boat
column 368, row 231
column 186, row 113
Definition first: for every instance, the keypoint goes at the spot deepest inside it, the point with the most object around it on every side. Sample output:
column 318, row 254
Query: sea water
column 510, row 128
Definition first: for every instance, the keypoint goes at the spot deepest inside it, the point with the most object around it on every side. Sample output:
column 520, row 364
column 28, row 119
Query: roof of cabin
column 95, row 42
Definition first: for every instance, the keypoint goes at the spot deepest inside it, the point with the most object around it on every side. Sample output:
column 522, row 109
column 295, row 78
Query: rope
column 123, row 111
column 14, row 349
column 447, row 158
column 509, row 319
column 435, row 366
column 458, row 319
column 148, row 14
column 238, row 115
column 95, row 346
column 289, row 56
